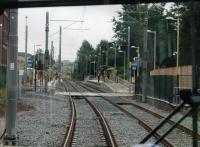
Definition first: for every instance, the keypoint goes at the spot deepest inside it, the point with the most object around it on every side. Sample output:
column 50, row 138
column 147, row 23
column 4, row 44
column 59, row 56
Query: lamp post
column 90, row 64
column 154, row 55
column 177, row 47
column 35, row 65
column 124, row 61
column 94, row 67
column 128, row 56
column 115, row 64
column 26, row 46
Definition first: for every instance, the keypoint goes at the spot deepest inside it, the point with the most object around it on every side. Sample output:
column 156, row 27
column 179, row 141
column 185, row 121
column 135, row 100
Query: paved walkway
column 92, row 94
column 116, row 87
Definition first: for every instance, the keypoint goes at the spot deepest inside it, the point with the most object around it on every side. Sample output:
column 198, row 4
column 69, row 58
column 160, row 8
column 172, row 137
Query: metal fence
column 165, row 87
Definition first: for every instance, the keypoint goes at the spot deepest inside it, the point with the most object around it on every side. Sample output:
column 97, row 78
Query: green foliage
column 23, row 54
column 84, row 57
column 166, row 29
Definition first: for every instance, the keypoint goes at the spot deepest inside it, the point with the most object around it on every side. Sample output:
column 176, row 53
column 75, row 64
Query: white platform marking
column 91, row 94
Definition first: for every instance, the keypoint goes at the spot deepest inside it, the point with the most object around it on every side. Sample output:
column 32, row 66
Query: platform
column 92, row 94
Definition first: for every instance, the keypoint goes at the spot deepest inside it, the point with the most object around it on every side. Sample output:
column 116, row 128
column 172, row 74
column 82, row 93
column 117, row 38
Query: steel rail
column 71, row 127
column 110, row 140
column 165, row 141
column 171, row 122
column 106, row 129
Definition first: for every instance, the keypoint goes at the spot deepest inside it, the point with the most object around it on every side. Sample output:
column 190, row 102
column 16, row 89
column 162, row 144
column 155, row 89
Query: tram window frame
column 8, row 4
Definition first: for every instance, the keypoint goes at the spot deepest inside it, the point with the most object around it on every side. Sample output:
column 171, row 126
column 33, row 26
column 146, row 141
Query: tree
column 84, row 55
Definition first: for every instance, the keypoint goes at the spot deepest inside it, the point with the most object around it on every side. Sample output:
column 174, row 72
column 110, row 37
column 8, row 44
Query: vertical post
column 115, row 57
column 86, row 66
column 100, row 57
column 89, row 65
column 59, row 60
column 1, row 40
column 124, row 64
column 50, row 60
column 177, row 55
column 35, row 67
column 94, row 69
column 107, row 58
column 10, row 136
column 128, row 55
column 177, row 42
column 46, row 49
column 26, row 45
column 145, row 57
column 138, row 61
column 194, row 71
column 154, row 64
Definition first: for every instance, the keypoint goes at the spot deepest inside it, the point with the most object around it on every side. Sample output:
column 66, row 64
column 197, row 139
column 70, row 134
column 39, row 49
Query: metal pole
column 46, row 49
column 145, row 57
column 10, row 136
column 35, row 67
column 94, row 69
column 26, row 45
column 139, row 62
column 128, row 55
column 50, row 61
column 177, row 56
column 154, row 65
column 89, row 65
column 115, row 57
column 1, row 45
column 86, row 65
column 193, row 29
column 107, row 58
column 59, row 60
column 124, row 65
column 100, row 57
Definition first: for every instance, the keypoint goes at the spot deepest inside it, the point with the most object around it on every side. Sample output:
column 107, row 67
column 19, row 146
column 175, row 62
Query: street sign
column 134, row 67
column 30, row 61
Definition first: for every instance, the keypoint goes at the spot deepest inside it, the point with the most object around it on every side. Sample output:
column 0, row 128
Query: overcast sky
column 96, row 19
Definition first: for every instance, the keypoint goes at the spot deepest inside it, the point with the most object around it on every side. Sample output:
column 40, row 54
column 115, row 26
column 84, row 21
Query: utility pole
column 107, row 58
column 46, row 50
column 145, row 57
column 177, row 55
column 86, row 66
column 26, row 45
column 124, row 64
column 128, row 56
column 10, row 136
column 115, row 57
column 195, row 79
column 50, row 61
column 1, row 39
column 59, row 60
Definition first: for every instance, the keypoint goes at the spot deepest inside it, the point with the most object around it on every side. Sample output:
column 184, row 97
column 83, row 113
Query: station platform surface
column 92, row 94
column 116, row 87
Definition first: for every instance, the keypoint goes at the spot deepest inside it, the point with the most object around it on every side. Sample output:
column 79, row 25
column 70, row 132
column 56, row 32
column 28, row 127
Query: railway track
column 184, row 139
column 84, row 117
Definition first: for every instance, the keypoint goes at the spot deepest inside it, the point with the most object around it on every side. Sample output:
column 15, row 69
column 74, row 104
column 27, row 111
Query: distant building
column 4, row 31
